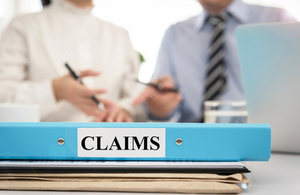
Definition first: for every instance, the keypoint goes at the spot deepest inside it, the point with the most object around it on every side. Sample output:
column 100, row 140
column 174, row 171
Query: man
column 35, row 47
column 199, row 56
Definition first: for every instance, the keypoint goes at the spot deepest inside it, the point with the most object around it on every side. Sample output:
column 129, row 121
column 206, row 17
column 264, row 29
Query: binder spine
column 145, row 141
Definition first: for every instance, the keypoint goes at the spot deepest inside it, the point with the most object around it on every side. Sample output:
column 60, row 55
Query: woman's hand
column 113, row 113
column 67, row 88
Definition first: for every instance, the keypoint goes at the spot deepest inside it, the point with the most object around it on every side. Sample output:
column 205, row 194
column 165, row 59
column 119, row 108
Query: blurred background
column 146, row 20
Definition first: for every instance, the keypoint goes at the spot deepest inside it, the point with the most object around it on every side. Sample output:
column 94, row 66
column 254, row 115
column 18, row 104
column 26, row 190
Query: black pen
column 78, row 79
column 159, row 87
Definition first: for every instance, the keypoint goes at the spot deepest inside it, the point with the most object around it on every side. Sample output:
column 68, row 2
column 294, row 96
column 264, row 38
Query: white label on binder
column 121, row 142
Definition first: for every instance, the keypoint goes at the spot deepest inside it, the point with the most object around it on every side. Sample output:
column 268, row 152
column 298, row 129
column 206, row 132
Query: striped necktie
column 216, row 81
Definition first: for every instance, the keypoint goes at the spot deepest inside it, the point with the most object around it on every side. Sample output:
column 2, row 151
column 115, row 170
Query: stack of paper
column 137, row 176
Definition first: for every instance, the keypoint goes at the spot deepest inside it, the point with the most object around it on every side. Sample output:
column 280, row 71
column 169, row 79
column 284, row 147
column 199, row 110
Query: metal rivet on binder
column 178, row 141
column 61, row 141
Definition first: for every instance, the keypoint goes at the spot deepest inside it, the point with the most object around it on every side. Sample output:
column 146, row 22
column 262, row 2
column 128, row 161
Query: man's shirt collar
column 236, row 9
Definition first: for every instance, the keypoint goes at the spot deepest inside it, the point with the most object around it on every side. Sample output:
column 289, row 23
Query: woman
column 35, row 47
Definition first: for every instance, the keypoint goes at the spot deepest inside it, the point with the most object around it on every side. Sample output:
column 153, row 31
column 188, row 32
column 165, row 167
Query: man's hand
column 113, row 113
column 67, row 88
column 160, row 103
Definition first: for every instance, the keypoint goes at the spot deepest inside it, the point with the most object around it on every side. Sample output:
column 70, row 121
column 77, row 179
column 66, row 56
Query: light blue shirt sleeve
column 164, row 68
column 164, row 60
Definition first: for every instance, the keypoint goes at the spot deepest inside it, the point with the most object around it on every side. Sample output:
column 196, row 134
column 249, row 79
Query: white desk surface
column 281, row 175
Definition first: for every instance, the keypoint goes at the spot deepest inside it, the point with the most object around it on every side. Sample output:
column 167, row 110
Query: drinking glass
column 225, row 112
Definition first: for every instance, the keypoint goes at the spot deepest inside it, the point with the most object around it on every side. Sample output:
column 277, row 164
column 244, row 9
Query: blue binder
column 135, row 141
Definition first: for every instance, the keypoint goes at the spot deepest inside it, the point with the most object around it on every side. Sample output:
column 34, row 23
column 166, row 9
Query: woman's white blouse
column 35, row 47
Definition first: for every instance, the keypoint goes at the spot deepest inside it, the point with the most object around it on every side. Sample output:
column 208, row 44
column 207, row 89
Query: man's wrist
column 159, row 113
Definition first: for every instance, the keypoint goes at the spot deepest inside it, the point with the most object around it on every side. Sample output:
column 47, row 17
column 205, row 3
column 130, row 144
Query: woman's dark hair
column 46, row 2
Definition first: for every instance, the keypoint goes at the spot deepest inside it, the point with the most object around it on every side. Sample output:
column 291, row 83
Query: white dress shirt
column 35, row 47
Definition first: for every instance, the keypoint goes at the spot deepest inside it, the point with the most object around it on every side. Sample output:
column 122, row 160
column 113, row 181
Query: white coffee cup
column 19, row 113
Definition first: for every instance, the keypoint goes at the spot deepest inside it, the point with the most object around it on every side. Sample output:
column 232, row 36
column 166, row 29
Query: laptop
column 269, row 57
